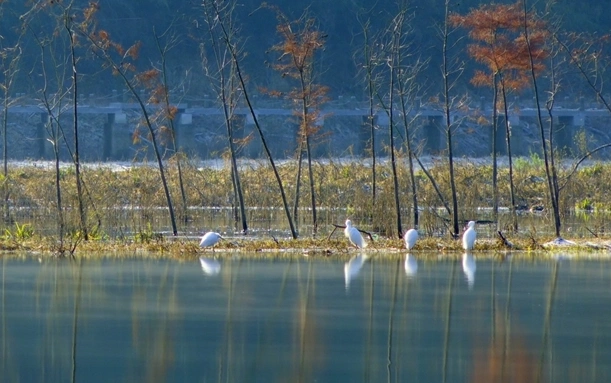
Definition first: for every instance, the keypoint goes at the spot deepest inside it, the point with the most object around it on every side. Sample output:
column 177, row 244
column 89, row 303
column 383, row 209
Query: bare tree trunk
column 371, row 91
column 236, row 178
column 225, row 85
column 392, row 62
column 306, row 137
column 301, row 40
column 58, row 196
column 514, row 215
column 495, row 187
column 101, row 49
column 76, row 154
column 312, row 191
column 298, row 184
column 550, row 170
column 412, row 175
column 228, row 109
column 170, row 117
column 552, row 162
column 447, row 110
column 53, row 127
column 435, row 185
column 54, row 131
column 149, row 125
column 393, row 161
column 10, row 67
column 372, row 127
column 5, row 181
column 266, row 148
column 236, row 60
column 406, row 88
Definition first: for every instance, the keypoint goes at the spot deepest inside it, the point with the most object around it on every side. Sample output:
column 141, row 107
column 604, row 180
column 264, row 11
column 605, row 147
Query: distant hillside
column 129, row 21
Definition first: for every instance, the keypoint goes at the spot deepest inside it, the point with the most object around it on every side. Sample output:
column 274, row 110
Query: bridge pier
column 183, row 133
column 501, row 136
column 517, row 140
column 244, row 127
column 120, row 137
column 107, row 153
column 107, row 132
column 432, row 135
column 363, row 143
column 563, row 134
column 41, row 135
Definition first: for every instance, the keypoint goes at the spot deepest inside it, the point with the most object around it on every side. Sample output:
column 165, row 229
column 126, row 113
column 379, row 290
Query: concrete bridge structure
column 107, row 131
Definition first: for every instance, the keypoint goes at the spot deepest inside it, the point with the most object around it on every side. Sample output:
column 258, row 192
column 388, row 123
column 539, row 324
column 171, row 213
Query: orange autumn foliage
column 300, row 40
column 500, row 43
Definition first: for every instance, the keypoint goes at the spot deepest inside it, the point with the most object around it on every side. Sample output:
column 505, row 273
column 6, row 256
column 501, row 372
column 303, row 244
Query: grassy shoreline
column 125, row 208
column 182, row 248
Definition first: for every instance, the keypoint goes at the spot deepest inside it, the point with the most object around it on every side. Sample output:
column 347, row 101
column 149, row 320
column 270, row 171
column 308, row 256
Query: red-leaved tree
column 500, row 45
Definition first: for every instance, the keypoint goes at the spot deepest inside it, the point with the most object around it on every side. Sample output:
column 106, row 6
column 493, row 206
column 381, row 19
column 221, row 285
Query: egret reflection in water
column 411, row 265
column 469, row 267
column 353, row 267
column 286, row 320
column 210, row 266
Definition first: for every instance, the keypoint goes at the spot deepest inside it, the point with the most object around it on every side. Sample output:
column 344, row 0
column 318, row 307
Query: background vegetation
column 130, row 21
column 125, row 204
column 390, row 54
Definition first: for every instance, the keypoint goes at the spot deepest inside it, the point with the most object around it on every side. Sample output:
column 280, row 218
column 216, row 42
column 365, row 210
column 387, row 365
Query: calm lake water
column 385, row 318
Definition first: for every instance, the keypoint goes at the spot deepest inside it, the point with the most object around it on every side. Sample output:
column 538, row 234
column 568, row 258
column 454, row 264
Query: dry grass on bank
column 336, row 248
column 123, row 206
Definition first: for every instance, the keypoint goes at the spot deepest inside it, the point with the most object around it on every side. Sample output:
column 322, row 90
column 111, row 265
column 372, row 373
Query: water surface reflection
column 382, row 318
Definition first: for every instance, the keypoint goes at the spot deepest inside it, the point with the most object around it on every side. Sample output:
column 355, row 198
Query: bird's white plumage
column 210, row 266
column 411, row 265
column 210, row 239
column 469, row 236
column 410, row 238
column 469, row 267
column 352, row 268
column 354, row 235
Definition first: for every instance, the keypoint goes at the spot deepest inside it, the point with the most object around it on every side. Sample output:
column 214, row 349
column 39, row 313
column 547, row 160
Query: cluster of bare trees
column 523, row 48
column 515, row 44
column 72, row 36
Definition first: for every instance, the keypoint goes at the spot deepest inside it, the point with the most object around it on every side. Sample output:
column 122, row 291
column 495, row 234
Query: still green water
column 373, row 319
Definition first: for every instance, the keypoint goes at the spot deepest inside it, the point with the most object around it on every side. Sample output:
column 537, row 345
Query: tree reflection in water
column 291, row 319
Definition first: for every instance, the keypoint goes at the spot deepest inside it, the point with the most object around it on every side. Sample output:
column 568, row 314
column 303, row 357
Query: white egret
column 354, row 235
column 352, row 268
column 411, row 265
column 210, row 266
column 410, row 238
column 210, row 239
column 469, row 236
column 469, row 267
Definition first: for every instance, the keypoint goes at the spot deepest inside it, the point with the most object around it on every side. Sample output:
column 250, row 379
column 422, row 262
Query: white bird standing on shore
column 469, row 236
column 353, row 234
column 210, row 239
column 410, row 238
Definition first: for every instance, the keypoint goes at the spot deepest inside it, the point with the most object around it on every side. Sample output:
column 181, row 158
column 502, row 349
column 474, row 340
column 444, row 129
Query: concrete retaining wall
column 108, row 133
